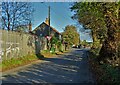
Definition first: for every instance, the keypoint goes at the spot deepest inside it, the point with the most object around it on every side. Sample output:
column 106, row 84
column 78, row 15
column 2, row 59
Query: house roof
column 48, row 26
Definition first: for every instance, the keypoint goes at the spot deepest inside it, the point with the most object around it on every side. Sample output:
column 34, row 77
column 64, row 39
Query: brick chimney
column 47, row 21
column 30, row 26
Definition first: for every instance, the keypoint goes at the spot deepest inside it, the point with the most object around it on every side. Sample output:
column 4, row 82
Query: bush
column 105, row 73
column 52, row 50
column 112, row 74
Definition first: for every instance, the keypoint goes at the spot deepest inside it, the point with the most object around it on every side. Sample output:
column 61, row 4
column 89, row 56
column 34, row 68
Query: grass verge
column 17, row 62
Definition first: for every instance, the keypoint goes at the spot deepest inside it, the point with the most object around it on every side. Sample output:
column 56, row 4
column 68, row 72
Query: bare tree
column 15, row 14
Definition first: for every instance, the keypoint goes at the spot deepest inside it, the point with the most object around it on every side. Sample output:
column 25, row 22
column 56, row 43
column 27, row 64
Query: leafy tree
column 15, row 14
column 110, row 45
column 70, row 35
column 102, row 19
column 88, row 15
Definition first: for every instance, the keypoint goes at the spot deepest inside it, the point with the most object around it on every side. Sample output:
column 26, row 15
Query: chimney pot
column 30, row 26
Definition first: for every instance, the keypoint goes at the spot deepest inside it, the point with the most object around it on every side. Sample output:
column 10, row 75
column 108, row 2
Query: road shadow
column 68, row 69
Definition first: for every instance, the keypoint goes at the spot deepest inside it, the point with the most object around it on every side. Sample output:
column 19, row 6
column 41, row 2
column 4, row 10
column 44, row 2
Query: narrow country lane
column 69, row 68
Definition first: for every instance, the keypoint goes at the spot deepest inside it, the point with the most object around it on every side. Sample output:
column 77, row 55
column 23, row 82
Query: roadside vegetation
column 28, row 59
column 15, row 62
column 103, row 21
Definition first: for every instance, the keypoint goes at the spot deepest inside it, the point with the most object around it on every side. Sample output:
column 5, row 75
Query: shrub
column 112, row 74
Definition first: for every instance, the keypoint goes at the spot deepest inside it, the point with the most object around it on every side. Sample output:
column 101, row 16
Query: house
column 44, row 30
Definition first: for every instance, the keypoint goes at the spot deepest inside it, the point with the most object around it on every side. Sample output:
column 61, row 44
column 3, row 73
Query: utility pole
column 79, row 39
column 49, row 18
column 49, row 23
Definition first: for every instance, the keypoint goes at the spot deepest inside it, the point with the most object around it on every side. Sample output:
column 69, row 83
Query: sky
column 60, row 15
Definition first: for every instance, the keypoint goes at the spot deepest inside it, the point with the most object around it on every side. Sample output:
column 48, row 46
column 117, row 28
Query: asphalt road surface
column 70, row 68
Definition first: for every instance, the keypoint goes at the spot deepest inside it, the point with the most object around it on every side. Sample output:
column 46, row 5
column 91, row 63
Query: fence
column 16, row 44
